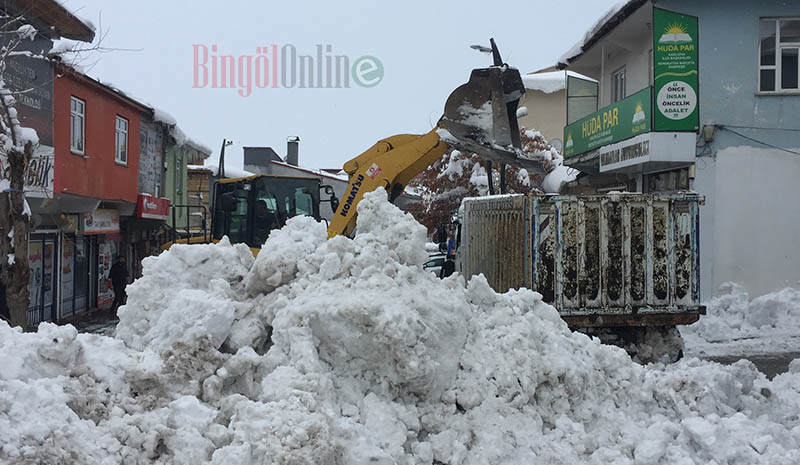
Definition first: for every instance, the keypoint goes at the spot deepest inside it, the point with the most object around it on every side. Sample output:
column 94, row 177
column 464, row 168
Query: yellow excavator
column 479, row 117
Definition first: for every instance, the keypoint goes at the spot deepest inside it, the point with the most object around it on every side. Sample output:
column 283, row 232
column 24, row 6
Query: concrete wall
column 756, row 232
column 547, row 113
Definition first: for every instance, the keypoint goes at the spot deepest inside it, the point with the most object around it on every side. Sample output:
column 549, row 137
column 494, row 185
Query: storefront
column 103, row 234
column 41, row 287
column 145, row 232
column 70, row 266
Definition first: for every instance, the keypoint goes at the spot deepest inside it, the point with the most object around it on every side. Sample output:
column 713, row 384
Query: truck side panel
column 589, row 255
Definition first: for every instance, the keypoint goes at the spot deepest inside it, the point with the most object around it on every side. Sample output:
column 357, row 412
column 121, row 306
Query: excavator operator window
column 237, row 226
column 266, row 217
column 299, row 202
column 303, row 202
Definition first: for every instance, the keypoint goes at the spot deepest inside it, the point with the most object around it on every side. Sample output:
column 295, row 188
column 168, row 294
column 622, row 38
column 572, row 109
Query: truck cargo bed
column 601, row 260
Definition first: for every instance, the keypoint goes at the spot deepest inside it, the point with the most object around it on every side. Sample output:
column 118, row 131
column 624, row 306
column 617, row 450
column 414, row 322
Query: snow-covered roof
column 54, row 14
column 162, row 116
column 320, row 173
column 230, row 171
column 611, row 17
column 545, row 82
column 551, row 81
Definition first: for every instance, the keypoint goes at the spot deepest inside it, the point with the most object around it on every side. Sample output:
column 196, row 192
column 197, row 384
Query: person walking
column 119, row 279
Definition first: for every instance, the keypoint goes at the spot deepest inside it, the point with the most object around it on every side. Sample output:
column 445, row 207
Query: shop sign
column 151, row 207
column 102, row 221
column 619, row 121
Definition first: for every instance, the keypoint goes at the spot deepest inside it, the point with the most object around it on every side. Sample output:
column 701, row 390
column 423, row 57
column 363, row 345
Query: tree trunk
column 15, row 276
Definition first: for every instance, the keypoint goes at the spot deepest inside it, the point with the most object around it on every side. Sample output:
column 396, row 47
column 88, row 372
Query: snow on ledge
column 550, row 82
column 577, row 49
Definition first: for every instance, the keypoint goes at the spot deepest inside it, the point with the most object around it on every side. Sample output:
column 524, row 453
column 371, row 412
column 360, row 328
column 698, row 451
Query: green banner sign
column 619, row 121
column 675, row 71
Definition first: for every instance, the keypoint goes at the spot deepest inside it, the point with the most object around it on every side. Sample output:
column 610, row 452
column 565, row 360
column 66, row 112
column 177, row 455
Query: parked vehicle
column 434, row 263
column 603, row 261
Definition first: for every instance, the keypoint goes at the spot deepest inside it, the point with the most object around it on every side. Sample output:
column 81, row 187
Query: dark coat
column 448, row 267
column 119, row 274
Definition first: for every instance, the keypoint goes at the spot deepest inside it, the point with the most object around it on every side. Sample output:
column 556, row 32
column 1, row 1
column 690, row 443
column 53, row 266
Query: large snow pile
column 735, row 324
column 346, row 352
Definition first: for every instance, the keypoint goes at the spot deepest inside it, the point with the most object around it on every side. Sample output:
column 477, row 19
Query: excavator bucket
column 481, row 116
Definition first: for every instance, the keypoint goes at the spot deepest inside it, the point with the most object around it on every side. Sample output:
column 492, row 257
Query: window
column 77, row 109
column 581, row 98
column 778, row 65
column 618, row 92
column 121, row 141
column 675, row 180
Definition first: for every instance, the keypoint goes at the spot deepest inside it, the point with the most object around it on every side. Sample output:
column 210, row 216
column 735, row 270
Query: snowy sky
column 423, row 47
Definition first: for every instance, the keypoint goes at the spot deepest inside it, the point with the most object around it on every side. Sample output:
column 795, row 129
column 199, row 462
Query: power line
column 757, row 141
column 759, row 127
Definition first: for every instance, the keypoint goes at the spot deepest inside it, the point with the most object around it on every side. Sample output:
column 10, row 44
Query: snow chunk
column 25, row 135
column 180, row 301
column 764, row 324
column 26, row 31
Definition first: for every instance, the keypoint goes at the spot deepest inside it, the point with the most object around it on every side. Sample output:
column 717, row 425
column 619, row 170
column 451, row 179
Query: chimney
column 292, row 150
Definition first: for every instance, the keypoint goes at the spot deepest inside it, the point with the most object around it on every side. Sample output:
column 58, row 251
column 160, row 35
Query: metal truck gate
column 618, row 254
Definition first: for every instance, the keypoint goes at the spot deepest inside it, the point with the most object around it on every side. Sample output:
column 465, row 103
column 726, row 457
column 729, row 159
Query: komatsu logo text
column 352, row 197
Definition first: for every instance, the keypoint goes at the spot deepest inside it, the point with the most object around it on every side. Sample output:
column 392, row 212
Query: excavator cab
column 248, row 209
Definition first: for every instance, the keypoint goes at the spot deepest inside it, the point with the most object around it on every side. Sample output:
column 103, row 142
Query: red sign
column 151, row 207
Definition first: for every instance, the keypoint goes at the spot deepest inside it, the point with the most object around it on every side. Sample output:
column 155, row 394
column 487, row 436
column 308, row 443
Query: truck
column 622, row 266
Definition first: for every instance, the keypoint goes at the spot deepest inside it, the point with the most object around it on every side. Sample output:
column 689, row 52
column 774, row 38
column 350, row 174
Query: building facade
column 81, row 228
column 701, row 96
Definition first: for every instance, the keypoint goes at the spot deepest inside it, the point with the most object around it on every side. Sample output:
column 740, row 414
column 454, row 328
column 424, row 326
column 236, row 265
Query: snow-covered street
column 370, row 360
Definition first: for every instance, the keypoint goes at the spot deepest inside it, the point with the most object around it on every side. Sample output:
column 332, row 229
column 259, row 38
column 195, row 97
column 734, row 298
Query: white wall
column 547, row 113
column 637, row 71
column 750, row 226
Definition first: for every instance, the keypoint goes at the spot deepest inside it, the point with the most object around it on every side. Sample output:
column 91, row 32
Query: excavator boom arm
column 391, row 164
column 479, row 117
